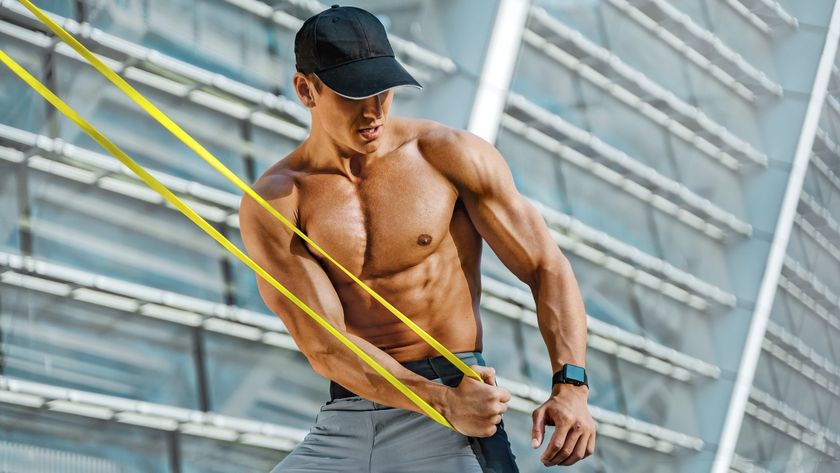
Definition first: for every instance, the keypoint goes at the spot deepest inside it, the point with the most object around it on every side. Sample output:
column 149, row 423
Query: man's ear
column 304, row 91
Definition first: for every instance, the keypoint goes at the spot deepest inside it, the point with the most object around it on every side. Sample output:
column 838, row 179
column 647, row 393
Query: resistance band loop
column 207, row 156
column 210, row 230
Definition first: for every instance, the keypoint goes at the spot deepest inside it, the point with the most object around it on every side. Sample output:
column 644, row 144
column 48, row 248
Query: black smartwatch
column 571, row 374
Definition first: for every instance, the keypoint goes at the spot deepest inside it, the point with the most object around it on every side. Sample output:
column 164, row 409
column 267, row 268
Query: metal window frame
column 672, row 191
column 778, row 248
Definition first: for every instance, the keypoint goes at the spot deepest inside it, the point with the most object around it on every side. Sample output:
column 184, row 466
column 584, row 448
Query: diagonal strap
column 188, row 140
column 210, row 230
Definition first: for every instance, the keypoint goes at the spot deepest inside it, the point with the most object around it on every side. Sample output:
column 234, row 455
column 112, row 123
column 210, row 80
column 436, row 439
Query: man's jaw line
column 321, row 145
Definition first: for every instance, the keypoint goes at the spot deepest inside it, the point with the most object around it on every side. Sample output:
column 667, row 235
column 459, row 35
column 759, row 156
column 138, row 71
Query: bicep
column 514, row 229
column 509, row 223
column 285, row 257
column 296, row 269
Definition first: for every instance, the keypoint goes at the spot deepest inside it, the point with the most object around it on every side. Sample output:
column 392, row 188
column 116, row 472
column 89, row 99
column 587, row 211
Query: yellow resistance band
column 188, row 140
column 210, row 230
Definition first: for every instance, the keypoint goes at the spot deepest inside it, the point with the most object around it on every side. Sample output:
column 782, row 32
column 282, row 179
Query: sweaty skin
column 406, row 211
column 397, row 224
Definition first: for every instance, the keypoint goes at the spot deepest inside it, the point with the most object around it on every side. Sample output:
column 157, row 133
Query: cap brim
column 367, row 77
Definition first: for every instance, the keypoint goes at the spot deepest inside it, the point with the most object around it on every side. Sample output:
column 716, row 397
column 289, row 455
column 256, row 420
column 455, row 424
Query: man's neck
column 321, row 152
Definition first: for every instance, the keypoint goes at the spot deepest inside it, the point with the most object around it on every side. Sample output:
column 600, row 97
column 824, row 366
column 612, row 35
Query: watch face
column 575, row 373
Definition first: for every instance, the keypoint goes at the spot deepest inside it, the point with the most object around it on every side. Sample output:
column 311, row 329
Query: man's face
column 357, row 124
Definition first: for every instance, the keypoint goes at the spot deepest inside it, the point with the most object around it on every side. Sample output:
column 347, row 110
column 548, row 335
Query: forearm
column 560, row 314
column 330, row 358
column 333, row 360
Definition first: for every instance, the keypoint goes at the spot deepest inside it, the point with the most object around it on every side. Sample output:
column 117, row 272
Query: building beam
column 778, row 249
column 499, row 63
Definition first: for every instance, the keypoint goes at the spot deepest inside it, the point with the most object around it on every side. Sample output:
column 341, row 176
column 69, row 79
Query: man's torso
column 396, row 223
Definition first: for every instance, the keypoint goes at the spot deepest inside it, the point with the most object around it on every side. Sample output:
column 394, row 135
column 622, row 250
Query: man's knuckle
column 563, row 418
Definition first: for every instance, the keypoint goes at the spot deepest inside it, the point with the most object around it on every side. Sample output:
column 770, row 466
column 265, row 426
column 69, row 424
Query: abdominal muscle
column 435, row 294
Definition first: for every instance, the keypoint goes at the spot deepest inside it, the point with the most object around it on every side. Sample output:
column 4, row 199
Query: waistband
column 431, row 367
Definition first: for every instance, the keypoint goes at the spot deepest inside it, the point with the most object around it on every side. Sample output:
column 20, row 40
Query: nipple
column 424, row 239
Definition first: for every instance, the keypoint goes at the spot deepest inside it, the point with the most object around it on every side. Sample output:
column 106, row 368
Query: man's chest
column 391, row 218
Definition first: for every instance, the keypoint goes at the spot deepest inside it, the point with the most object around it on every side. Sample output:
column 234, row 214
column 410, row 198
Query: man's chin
column 367, row 146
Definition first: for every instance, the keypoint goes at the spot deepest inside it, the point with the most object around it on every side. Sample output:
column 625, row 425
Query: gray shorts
column 353, row 434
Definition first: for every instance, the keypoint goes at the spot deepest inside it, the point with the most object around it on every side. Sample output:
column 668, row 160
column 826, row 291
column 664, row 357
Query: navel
column 424, row 239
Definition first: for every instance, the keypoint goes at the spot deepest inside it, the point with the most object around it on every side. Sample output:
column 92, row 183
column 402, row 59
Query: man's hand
column 475, row 408
column 574, row 429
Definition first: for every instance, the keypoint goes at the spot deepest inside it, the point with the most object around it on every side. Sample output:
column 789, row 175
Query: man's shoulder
column 277, row 185
column 435, row 138
column 455, row 152
column 276, row 181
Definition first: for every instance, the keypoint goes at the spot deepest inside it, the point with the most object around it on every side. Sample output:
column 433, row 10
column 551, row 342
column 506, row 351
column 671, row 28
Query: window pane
column 140, row 136
column 536, row 172
column 501, row 349
column 122, row 448
column 20, row 106
column 62, row 342
column 260, row 382
column 9, row 227
column 102, row 232
column 203, row 455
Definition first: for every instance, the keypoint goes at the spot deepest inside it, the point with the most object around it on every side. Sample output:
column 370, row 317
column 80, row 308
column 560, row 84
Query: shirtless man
column 403, row 204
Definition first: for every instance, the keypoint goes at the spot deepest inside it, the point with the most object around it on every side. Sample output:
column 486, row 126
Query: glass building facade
column 684, row 153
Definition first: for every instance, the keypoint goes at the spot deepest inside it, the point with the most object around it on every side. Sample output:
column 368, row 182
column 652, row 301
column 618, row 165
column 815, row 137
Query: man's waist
column 432, row 367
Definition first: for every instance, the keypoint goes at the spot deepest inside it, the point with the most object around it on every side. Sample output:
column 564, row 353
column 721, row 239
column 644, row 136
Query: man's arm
column 284, row 255
column 517, row 233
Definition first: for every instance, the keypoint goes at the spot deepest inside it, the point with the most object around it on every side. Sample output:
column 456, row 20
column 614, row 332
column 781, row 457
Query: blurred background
column 684, row 153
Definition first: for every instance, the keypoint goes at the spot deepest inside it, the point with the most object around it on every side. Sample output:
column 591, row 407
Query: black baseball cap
column 348, row 49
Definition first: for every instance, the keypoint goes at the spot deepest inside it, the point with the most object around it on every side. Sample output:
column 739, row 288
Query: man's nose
column 373, row 105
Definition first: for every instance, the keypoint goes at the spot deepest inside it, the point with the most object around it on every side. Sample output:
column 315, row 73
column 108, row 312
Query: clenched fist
column 475, row 408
